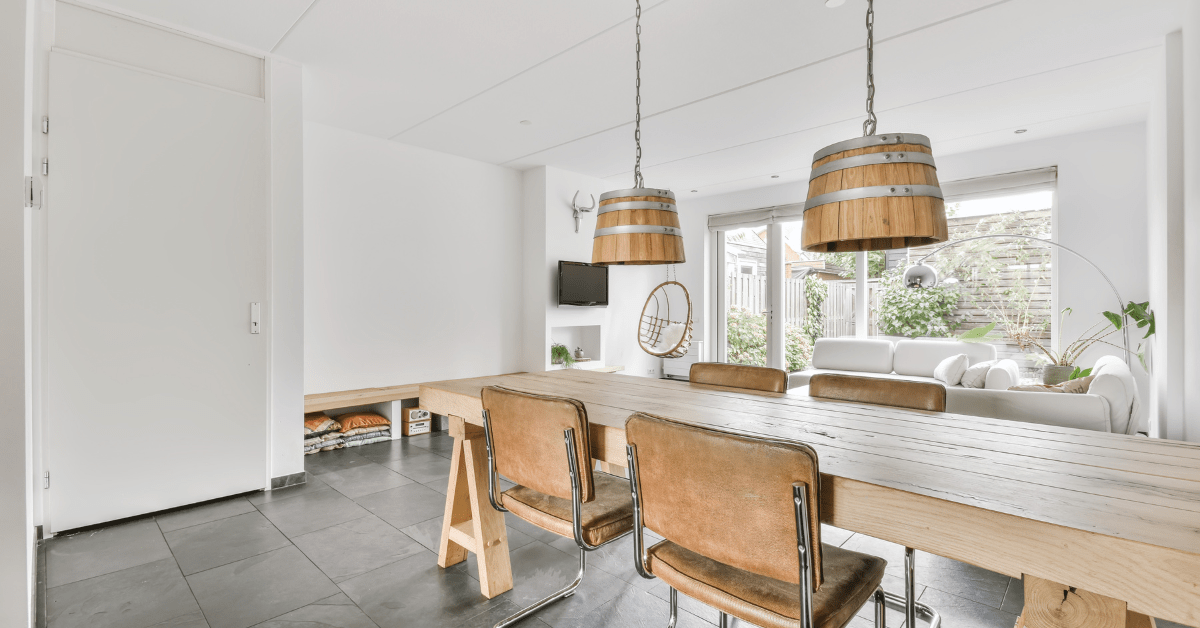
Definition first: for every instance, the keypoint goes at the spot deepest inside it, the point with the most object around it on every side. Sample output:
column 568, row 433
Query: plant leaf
column 1115, row 319
column 979, row 334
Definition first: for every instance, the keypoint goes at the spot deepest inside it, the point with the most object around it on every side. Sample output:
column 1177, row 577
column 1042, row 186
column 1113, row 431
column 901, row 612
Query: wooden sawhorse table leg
column 470, row 523
column 1049, row 604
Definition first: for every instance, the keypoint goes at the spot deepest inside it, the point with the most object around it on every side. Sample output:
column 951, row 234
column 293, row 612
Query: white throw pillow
column 976, row 374
column 670, row 336
column 951, row 369
column 1003, row 375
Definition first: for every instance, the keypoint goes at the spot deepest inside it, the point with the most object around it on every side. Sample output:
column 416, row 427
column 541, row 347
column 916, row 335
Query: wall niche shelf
column 590, row 338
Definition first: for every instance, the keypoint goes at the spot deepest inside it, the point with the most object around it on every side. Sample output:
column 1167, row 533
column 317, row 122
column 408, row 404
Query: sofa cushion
column 921, row 357
column 976, row 374
column 950, row 370
column 1003, row 375
column 864, row 355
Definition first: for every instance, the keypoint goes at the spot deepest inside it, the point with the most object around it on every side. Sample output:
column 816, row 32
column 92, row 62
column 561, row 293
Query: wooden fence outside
column 750, row 292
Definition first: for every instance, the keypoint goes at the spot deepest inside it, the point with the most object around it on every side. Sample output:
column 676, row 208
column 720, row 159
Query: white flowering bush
column 908, row 312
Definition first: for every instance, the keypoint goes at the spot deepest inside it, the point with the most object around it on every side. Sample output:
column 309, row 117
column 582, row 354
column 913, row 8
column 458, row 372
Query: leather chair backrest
column 528, row 444
column 739, row 376
column 879, row 391
column 726, row 496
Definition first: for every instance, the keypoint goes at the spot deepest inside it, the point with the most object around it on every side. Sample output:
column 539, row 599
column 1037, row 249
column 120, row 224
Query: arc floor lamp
column 921, row 275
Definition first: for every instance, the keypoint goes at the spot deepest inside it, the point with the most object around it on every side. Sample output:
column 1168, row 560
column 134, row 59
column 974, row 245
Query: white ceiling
column 733, row 91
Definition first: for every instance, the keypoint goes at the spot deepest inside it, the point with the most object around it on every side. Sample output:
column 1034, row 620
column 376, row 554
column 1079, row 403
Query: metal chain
column 637, row 124
column 869, row 123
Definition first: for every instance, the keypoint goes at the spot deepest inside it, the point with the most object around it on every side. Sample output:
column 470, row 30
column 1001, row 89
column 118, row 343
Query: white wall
column 1165, row 227
column 1191, row 173
column 286, row 312
column 550, row 237
column 1101, row 211
column 16, row 524
column 412, row 264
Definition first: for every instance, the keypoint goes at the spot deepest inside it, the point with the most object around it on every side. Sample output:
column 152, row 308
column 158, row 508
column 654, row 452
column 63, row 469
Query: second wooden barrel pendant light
column 874, row 192
column 639, row 225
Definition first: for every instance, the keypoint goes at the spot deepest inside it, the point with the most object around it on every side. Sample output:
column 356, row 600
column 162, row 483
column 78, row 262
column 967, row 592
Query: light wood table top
column 1113, row 514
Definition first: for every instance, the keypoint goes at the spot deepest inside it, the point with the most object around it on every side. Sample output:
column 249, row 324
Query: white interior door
column 156, row 391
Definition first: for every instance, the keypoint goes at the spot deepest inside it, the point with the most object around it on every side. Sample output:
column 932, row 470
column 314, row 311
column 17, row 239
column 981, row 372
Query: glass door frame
column 776, row 321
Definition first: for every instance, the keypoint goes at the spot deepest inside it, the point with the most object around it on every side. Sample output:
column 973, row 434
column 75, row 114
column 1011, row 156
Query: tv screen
column 582, row 284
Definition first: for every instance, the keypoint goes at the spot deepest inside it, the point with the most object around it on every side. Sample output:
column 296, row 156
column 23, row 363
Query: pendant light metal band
column 624, row 229
column 616, row 207
column 637, row 88
column 875, row 191
column 871, row 140
column 872, row 159
column 869, row 123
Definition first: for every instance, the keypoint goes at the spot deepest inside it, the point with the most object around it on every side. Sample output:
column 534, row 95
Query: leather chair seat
column 850, row 580
column 606, row 517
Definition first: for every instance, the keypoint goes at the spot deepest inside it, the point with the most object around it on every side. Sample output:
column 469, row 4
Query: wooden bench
column 389, row 402
column 360, row 397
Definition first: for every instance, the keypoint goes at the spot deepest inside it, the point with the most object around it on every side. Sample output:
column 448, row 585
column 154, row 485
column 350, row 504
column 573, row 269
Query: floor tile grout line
column 181, row 574
column 166, row 532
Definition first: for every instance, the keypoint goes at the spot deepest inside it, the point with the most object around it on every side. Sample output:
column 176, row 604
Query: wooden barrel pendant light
column 874, row 192
column 639, row 225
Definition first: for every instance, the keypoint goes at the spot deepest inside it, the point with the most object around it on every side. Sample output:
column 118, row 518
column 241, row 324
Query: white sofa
column 1110, row 405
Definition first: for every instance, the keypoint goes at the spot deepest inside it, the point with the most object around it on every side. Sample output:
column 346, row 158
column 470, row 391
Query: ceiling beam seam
column 806, row 169
column 899, row 107
column 293, row 26
column 525, row 71
column 764, row 79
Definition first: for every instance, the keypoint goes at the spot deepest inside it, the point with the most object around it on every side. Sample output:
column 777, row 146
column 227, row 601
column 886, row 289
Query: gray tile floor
column 356, row 547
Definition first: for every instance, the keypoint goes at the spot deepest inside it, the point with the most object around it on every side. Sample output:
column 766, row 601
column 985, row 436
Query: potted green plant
column 1059, row 366
column 560, row 354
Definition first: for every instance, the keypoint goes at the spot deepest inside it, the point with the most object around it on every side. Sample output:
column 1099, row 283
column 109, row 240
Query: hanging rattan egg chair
column 666, row 325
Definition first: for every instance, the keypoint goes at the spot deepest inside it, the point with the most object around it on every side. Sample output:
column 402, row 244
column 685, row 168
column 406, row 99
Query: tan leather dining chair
column 896, row 393
column 739, row 376
column 542, row 444
column 742, row 530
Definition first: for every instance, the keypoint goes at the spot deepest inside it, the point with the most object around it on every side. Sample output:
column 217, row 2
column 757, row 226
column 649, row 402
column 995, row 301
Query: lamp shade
column 873, row 193
column 637, row 226
column 920, row 276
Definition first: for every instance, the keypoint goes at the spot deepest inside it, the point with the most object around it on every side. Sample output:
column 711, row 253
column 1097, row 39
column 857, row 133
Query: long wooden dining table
column 1103, row 529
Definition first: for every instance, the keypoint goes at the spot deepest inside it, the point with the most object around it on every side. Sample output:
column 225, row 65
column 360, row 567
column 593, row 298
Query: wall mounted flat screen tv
column 582, row 284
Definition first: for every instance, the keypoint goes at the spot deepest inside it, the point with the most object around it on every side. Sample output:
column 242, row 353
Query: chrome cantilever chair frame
column 803, row 537
column 576, row 512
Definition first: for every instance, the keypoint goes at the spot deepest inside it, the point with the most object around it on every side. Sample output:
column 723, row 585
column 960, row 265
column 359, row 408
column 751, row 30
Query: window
column 759, row 298
column 1009, row 281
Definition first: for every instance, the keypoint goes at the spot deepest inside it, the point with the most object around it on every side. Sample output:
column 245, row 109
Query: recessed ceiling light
column 833, row 4
column 774, row 176
column 1020, row 131
column 526, row 122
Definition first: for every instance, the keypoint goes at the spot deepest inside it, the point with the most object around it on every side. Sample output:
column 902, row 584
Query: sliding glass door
column 766, row 302
column 747, row 304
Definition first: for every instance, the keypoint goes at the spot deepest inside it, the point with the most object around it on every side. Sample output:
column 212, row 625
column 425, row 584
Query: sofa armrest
column 1087, row 412
column 800, row 378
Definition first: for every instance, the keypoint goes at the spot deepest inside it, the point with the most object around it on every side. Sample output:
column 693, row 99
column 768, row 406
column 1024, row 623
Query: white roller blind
column 755, row 217
column 1005, row 184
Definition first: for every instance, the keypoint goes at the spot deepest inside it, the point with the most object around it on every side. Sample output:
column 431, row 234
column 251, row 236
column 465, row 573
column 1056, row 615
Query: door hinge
column 45, row 124
column 46, row 479
column 33, row 198
column 45, row 167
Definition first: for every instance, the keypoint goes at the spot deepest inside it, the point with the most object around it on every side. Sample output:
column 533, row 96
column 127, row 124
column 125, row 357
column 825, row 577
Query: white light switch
column 255, row 317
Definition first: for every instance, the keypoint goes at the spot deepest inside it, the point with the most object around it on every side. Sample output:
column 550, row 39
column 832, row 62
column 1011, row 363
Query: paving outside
column 356, row 547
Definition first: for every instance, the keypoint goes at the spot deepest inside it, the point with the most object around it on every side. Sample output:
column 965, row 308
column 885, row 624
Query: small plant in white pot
column 560, row 354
